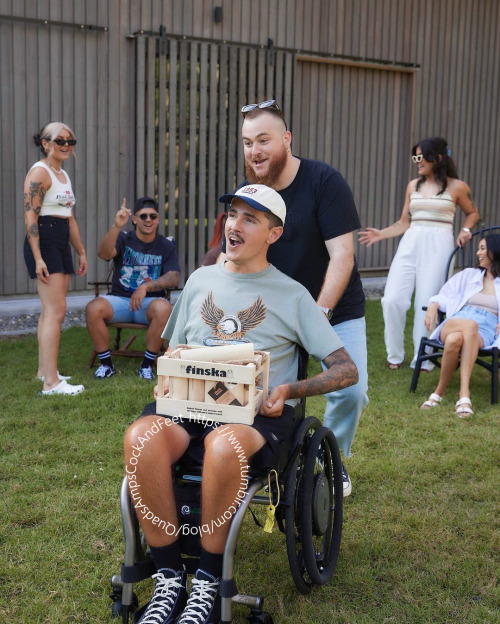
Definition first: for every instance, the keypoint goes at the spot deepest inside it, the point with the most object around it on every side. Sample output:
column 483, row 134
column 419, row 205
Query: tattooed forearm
column 33, row 231
column 341, row 373
column 169, row 280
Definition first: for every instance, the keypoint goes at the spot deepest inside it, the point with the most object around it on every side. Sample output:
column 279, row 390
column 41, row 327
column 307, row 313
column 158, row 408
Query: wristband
column 464, row 229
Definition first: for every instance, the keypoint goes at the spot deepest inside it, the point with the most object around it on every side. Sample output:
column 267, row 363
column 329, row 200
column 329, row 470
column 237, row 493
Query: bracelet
column 466, row 229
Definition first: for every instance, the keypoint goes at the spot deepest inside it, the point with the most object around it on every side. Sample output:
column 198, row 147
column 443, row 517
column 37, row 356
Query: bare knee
column 159, row 311
column 471, row 328
column 97, row 309
column 454, row 341
column 155, row 436
column 221, row 453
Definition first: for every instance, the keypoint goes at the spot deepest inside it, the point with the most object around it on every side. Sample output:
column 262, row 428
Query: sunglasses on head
column 417, row 159
column 148, row 215
column 266, row 104
column 62, row 142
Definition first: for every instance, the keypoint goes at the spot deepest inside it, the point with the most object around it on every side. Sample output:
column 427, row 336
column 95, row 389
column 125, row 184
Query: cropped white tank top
column 487, row 302
column 59, row 199
column 438, row 210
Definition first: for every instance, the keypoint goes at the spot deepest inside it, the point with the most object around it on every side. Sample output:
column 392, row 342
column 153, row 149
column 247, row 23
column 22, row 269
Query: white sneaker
column 346, row 482
column 60, row 377
column 63, row 387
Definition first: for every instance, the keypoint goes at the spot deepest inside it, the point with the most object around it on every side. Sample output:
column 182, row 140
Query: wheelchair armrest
column 440, row 315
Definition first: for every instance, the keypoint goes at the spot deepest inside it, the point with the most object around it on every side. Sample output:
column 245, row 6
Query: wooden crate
column 219, row 391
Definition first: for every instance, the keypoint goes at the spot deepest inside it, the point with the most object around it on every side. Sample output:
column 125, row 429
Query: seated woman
column 471, row 301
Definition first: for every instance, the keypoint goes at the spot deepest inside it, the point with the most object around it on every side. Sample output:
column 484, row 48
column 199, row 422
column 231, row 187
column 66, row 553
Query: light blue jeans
column 344, row 407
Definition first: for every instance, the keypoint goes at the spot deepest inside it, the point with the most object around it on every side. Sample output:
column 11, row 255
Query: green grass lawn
column 421, row 530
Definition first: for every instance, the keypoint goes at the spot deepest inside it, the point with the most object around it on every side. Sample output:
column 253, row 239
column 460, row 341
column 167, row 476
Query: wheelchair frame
column 310, row 513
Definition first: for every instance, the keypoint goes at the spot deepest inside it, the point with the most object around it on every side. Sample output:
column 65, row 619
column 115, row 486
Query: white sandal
column 463, row 407
column 63, row 387
column 433, row 401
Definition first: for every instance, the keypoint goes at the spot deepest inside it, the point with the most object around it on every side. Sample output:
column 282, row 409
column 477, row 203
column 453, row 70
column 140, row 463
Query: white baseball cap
column 261, row 198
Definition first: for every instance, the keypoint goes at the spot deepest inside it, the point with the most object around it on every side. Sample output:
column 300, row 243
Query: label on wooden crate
column 200, row 370
column 222, row 395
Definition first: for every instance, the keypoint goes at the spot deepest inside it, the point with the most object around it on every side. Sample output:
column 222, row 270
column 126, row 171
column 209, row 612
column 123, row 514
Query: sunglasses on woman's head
column 417, row 159
column 148, row 215
column 62, row 142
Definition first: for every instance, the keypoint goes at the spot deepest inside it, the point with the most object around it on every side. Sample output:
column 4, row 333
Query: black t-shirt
column 137, row 262
column 319, row 206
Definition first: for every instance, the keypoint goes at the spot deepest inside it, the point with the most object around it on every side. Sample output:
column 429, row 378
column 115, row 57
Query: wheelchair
column 309, row 489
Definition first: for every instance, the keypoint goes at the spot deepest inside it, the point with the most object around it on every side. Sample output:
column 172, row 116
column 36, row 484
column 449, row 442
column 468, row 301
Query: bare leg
column 157, row 314
column 148, row 461
column 53, row 302
column 460, row 338
column 40, row 324
column 97, row 313
column 227, row 451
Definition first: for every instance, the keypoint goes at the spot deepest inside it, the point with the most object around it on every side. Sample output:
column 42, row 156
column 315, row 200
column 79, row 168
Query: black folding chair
column 432, row 350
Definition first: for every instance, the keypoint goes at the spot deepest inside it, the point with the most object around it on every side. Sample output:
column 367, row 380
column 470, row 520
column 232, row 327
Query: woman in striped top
column 420, row 261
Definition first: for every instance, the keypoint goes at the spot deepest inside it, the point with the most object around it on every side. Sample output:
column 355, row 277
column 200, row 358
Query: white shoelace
column 147, row 373
column 101, row 371
column 200, row 601
column 163, row 599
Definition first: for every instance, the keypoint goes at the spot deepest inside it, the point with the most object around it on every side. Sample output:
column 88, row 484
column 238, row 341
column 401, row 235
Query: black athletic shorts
column 274, row 430
column 54, row 247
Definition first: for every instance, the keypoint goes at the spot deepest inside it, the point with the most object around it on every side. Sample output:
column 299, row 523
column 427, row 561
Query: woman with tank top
column 471, row 301
column 51, row 229
column 420, row 261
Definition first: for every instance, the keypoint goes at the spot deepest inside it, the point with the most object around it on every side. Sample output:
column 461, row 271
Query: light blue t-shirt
column 269, row 309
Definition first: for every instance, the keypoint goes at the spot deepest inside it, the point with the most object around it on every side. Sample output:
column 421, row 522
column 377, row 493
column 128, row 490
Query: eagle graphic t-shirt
column 137, row 262
column 268, row 309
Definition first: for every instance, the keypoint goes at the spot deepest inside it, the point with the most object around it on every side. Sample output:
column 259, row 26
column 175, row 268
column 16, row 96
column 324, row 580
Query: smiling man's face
column 248, row 236
column 265, row 144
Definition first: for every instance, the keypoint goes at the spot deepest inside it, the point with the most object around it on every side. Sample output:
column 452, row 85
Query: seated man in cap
column 245, row 299
column 145, row 264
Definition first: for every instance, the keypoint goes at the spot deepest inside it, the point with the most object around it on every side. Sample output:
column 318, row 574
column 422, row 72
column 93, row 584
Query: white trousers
column 419, row 265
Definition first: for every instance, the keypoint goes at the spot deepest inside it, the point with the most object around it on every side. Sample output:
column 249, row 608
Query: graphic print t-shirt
column 269, row 309
column 137, row 262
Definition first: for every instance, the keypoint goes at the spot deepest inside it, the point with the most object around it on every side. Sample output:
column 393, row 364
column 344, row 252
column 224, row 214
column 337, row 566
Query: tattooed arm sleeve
column 341, row 373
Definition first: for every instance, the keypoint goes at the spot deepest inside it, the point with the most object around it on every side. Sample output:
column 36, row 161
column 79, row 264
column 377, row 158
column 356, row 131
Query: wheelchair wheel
column 321, row 506
column 293, row 505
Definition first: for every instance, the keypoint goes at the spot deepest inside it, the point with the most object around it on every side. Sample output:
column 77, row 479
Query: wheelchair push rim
column 292, row 502
column 321, row 506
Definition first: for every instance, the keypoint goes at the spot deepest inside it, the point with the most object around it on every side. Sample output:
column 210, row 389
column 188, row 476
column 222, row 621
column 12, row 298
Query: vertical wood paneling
column 354, row 134
column 195, row 215
column 161, row 137
column 206, row 87
column 88, row 80
column 172, row 125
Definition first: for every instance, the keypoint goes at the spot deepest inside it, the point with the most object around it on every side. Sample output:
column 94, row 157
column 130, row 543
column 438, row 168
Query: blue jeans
column 344, row 407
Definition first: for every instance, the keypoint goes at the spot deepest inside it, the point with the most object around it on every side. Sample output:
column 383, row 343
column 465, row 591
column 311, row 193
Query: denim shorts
column 487, row 322
column 122, row 312
column 54, row 247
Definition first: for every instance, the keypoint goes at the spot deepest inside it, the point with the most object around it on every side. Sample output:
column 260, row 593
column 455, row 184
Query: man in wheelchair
column 243, row 300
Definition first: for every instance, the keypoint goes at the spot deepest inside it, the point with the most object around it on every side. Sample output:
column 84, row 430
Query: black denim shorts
column 54, row 247
column 274, row 430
